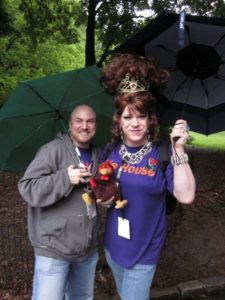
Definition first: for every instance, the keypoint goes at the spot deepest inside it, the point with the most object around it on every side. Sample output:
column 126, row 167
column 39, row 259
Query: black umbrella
column 192, row 48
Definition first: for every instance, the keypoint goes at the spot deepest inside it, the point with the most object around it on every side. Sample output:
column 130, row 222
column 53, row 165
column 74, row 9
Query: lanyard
column 81, row 163
column 118, row 175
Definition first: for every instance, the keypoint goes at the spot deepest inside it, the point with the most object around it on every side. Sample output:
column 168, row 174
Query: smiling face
column 82, row 125
column 134, row 126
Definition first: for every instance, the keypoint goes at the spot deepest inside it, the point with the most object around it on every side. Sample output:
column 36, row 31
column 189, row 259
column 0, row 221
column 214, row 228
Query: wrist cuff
column 179, row 159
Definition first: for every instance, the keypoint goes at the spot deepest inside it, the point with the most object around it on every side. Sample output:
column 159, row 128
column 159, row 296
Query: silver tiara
column 131, row 85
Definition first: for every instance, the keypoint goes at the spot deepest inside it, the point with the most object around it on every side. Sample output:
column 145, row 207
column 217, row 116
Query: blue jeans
column 62, row 280
column 134, row 283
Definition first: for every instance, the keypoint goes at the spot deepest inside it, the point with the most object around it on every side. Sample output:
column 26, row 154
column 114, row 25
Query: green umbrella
column 38, row 109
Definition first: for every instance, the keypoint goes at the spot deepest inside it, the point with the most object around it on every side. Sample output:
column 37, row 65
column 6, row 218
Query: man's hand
column 77, row 175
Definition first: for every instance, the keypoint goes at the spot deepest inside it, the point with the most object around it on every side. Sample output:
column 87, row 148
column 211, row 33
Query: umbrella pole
column 186, row 99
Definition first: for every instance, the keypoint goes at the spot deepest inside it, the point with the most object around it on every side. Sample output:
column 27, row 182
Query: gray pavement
column 209, row 289
column 212, row 288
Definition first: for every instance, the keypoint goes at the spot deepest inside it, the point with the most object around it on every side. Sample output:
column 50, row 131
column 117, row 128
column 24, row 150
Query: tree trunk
column 90, row 35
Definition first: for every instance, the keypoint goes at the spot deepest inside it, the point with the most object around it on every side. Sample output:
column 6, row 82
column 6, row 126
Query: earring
column 121, row 135
column 148, row 135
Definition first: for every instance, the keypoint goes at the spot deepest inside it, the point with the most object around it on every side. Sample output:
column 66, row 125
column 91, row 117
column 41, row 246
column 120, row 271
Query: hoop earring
column 121, row 135
column 148, row 135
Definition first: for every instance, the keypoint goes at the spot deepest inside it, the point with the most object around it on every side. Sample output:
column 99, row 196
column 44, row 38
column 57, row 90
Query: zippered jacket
column 57, row 216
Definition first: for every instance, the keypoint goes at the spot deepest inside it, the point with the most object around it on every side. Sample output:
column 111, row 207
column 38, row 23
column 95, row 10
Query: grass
column 214, row 141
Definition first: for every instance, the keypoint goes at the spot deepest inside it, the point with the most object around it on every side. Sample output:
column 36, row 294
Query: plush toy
column 104, row 186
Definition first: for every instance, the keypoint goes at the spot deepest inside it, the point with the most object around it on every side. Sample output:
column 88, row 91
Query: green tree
column 107, row 22
column 5, row 20
column 22, row 59
column 116, row 21
column 199, row 7
column 54, row 19
column 42, row 37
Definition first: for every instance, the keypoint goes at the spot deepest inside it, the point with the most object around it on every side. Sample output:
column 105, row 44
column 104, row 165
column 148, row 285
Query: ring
column 108, row 206
column 187, row 128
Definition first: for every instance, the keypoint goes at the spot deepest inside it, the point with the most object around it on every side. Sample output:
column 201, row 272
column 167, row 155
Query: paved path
column 208, row 289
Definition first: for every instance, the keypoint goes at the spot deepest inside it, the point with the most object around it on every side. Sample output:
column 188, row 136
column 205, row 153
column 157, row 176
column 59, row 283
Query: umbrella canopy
column 193, row 52
column 38, row 109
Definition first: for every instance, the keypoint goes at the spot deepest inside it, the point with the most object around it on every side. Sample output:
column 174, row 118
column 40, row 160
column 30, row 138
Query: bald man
column 63, row 229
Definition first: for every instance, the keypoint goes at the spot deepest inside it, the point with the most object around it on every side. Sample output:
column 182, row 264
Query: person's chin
column 137, row 138
column 86, row 139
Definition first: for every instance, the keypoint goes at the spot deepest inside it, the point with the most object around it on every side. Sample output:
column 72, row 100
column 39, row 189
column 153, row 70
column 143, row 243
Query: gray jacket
column 57, row 216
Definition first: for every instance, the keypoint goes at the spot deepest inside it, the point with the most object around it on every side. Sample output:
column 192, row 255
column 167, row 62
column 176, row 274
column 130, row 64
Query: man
column 62, row 228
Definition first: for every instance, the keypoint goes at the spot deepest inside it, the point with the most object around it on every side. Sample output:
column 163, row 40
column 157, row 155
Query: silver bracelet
column 179, row 159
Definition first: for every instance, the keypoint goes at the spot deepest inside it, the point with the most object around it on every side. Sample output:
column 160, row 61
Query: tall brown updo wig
column 148, row 74
column 146, row 68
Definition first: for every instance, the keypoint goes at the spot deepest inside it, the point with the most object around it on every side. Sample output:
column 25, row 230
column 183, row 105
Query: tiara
column 131, row 85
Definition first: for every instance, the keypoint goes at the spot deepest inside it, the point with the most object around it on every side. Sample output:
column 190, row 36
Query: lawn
column 213, row 141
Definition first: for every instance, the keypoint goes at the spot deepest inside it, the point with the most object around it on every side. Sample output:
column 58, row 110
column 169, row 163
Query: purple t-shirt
column 86, row 155
column 144, row 186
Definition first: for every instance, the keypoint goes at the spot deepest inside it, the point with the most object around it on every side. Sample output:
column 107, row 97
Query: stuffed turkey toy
column 104, row 186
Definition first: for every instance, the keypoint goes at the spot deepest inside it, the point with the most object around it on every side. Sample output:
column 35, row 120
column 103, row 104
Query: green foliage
column 21, row 63
column 50, row 19
column 5, row 20
column 116, row 21
column 165, row 135
column 20, row 60
column 213, row 141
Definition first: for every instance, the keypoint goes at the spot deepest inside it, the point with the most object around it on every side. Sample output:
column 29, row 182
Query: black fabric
column 164, row 157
